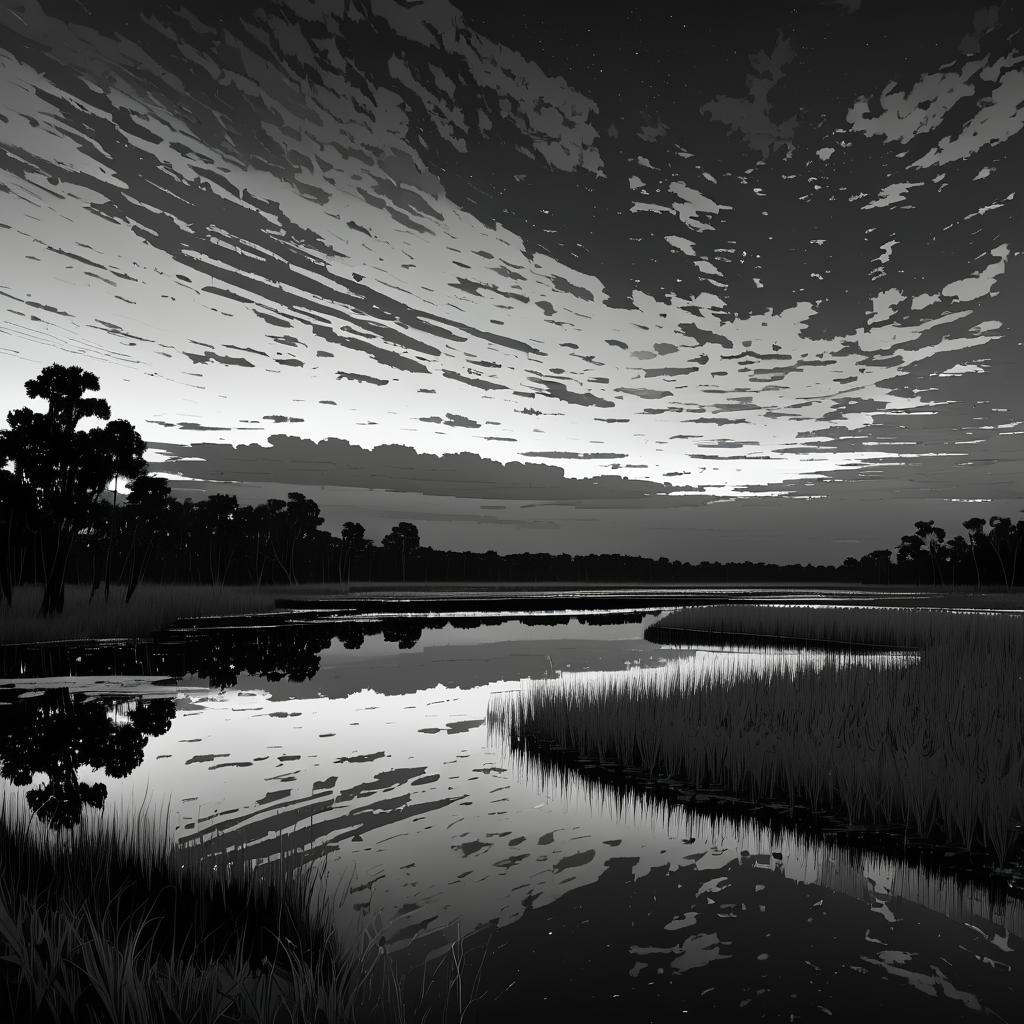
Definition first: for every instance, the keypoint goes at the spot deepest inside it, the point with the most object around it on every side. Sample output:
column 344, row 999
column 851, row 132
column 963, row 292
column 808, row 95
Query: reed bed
column 115, row 924
column 934, row 748
column 868, row 627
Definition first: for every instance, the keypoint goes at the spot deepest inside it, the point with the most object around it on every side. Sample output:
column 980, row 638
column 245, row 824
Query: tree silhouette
column 17, row 515
column 959, row 552
column 403, row 540
column 147, row 508
column 302, row 515
column 910, row 551
column 879, row 564
column 975, row 528
column 353, row 542
column 218, row 529
column 932, row 538
column 1005, row 540
column 66, row 469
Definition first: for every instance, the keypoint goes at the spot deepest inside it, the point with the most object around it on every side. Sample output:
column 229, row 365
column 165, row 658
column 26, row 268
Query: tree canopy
column 64, row 469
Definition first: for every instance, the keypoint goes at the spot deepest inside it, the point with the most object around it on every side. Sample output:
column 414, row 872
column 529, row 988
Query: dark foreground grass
column 933, row 747
column 113, row 924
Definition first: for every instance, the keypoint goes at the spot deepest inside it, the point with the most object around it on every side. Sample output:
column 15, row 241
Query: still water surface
column 379, row 764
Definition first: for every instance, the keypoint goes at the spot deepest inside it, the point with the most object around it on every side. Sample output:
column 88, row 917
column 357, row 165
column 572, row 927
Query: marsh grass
column 933, row 749
column 763, row 625
column 113, row 923
column 153, row 607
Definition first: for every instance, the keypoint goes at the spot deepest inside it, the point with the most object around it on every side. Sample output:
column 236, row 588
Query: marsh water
column 360, row 739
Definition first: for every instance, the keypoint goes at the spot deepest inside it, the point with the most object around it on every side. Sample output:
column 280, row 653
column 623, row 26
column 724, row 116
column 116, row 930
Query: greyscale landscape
column 511, row 511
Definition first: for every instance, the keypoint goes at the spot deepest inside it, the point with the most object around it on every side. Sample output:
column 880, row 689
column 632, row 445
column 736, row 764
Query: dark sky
column 704, row 280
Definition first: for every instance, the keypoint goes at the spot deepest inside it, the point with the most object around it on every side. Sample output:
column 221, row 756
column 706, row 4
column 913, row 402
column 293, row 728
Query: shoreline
column 157, row 607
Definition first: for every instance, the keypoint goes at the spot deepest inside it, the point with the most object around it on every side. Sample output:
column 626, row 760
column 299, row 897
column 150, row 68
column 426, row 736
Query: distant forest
column 78, row 506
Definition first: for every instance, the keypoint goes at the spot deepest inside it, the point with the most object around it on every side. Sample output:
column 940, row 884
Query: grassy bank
column 156, row 606
column 934, row 749
column 760, row 625
column 116, row 925
column 113, row 923
column 152, row 607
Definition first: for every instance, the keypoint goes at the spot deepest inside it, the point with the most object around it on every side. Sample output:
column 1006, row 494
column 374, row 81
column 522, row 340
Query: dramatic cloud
column 746, row 261
column 289, row 461
column 751, row 115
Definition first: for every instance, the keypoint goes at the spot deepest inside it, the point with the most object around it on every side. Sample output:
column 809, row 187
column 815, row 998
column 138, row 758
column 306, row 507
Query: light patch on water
column 396, row 785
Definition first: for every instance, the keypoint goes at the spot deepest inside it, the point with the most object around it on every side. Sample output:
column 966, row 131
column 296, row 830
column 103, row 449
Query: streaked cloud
column 415, row 238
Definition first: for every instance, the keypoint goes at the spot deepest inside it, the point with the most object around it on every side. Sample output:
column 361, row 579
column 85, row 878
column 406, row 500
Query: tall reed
column 935, row 747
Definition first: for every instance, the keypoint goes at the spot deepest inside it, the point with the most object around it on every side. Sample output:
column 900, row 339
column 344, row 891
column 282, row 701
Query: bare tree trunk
column 7, row 565
column 53, row 580
column 277, row 558
column 6, row 590
column 110, row 545
column 1002, row 566
column 257, row 572
column 138, row 569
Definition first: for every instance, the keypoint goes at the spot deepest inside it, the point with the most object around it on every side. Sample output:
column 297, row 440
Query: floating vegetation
column 932, row 749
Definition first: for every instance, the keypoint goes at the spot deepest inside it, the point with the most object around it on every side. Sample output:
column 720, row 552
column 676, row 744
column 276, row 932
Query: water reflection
column 384, row 769
column 723, row 832
column 750, row 915
column 56, row 733
column 271, row 647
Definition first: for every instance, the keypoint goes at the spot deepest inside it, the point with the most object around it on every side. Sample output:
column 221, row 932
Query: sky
column 710, row 281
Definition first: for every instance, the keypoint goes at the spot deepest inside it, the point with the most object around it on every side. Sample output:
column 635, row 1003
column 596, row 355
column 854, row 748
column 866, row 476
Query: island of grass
column 927, row 748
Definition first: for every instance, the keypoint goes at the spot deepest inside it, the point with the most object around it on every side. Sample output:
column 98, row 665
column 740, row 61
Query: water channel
column 362, row 741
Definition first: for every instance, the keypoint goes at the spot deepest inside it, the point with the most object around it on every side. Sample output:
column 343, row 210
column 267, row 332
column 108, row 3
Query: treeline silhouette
column 155, row 537
column 987, row 554
column 58, row 526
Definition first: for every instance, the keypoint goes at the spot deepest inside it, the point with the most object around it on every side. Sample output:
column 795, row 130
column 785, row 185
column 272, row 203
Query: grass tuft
column 113, row 923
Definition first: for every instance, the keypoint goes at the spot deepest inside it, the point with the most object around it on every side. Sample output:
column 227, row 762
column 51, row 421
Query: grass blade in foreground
column 113, row 923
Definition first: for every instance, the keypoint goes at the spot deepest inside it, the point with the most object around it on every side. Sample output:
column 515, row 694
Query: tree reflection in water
column 286, row 650
column 292, row 650
column 58, row 732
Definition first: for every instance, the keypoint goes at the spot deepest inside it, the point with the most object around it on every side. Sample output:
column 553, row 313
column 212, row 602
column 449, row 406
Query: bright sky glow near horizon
column 699, row 280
